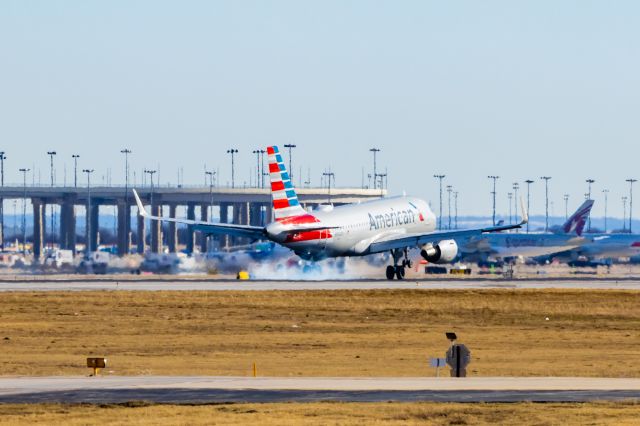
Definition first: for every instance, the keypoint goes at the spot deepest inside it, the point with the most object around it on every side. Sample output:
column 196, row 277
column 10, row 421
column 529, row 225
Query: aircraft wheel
column 399, row 272
column 391, row 271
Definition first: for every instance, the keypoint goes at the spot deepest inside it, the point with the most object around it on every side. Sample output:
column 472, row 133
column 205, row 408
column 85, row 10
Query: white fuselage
column 352, row 228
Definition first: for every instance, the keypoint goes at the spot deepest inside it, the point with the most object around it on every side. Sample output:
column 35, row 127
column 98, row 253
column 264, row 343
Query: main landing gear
column 397, row 270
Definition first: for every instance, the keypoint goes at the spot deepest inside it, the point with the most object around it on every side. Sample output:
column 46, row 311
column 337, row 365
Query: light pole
column 262, row 173
column 257, row 153
column 127, row 220
column 233, row 152
column 631, row 182
column 606, row 194
column 375, row 165
column 211, row 175
column 589, row 181
column 495, row 178
column 153, row 222
column 87, row 251
column 624, row 214
column 510, row 197
column 449, row 190
column 329, row 176
column 546, row 202
column 382, row 177
column 439, row 177
column 455, row 196
column 24, row 210
column 516, row 186
column 2, row 158
column 75, row 170
column 290, row 146
column 528, row 182
column 53, row 229
column 566, row 206
column 151, row 173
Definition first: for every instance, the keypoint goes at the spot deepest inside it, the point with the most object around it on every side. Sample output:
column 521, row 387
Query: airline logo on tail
column 575, row 224
column 286, row 207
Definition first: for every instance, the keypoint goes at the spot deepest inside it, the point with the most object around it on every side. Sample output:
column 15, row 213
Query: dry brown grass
column 321, row 333
column 324, row 413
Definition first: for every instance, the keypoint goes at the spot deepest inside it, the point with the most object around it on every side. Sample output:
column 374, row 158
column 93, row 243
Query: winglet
column 525, row 213
column 141, row 211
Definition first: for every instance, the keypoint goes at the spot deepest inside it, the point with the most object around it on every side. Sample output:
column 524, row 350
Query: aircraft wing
column 207, row 227
column 416, row 240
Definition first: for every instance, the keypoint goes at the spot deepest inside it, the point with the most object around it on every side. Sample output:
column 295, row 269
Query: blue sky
column 465, row 88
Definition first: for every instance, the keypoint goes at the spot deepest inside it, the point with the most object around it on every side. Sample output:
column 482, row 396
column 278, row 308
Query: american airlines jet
column 394, row 224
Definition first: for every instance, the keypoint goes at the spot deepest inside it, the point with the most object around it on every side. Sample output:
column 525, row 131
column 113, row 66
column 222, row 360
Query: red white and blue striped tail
column 285, row 200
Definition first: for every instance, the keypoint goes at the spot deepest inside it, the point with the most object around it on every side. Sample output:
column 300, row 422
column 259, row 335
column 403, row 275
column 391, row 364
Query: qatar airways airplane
column 393, row 224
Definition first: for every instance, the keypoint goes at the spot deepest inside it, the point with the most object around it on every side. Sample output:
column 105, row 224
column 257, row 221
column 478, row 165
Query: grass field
column 324, row 413
column 321, row 333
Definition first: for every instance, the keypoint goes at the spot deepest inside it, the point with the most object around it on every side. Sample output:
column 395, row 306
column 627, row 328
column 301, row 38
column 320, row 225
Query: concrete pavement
column 221, row 285
column 191, row 389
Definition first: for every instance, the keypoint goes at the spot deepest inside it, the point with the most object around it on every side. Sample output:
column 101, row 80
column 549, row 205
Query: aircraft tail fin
column 575, row 223
column 284, row 197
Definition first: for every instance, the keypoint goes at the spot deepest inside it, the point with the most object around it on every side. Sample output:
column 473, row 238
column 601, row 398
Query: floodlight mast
column 606, row 193
column 439, row 177
column 24, row 210
column 233, row 151
column 494, row 178
column 290, row 146
column 546, row 192
column 528, row 182
column 374, row 150
column 88, row 213
column 631, row 182
column 589, row 182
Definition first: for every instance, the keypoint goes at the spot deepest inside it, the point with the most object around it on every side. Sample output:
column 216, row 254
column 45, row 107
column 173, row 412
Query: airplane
column 603, row 247
column 509, row 245
column 393, row 224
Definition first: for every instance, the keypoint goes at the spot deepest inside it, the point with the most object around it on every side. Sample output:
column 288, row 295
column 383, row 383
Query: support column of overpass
column 141, row 234
column 244, row 218
column 191, row 215
column 237, row 217
column 224, row 218
column 124, row 216
column 156, row 229
column 172, row 238
column 38, row 228
column 124, row 228
column 68, row 224
column 255, row 214
column 268, row 213
column 204, row 216
column 94, row 217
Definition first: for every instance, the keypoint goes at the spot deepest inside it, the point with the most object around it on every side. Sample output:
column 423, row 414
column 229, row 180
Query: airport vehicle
column 501, row 246
column 394, row 224
column 59, row 258
column 96, row 263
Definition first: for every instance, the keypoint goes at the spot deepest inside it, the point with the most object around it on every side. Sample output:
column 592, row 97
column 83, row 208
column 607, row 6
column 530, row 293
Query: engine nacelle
column 443, row 252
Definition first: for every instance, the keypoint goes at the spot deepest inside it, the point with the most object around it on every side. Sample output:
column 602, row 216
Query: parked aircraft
column 500, row 246
column 394, row 225
column 605, row 247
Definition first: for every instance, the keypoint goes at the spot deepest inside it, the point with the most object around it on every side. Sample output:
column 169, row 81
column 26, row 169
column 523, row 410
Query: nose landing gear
column 398, row 270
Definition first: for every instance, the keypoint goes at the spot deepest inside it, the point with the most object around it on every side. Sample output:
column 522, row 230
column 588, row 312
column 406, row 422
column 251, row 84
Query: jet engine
column 443, row 252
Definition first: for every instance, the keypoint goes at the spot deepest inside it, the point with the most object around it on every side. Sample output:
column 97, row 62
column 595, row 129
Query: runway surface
column 190, row 284
column 170, row 389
